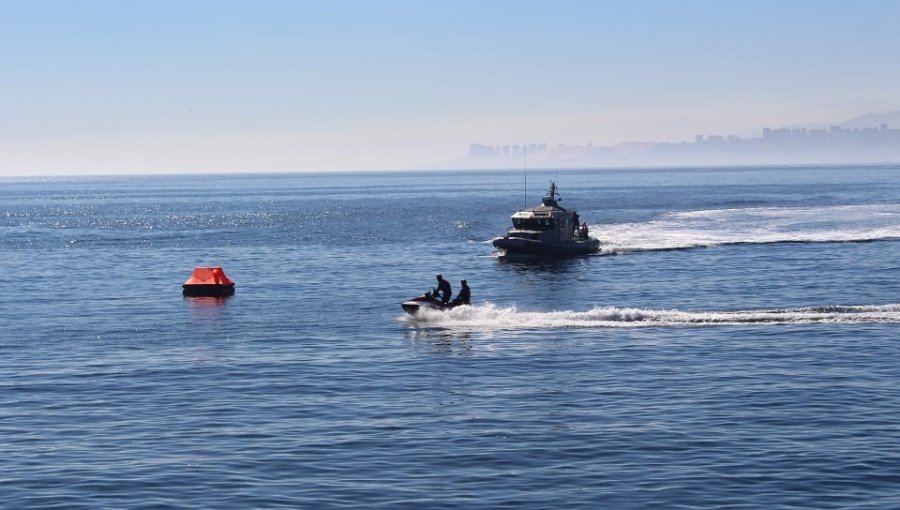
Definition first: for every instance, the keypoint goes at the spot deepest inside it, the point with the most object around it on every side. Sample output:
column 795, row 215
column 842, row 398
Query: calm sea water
column 735, row 344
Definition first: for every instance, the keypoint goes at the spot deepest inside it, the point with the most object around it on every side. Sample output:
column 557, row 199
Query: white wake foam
column 690, row 229
column 491, row 317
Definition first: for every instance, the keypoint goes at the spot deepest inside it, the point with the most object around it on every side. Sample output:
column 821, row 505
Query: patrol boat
column 546, row 230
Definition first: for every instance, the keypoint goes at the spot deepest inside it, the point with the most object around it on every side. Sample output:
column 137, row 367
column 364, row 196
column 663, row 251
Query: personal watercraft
column 426, row 301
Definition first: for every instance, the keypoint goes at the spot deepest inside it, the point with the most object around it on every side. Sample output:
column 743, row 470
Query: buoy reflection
column 207, row 301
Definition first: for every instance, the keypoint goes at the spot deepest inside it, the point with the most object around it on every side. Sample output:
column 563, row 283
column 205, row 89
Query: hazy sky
column 141, row 86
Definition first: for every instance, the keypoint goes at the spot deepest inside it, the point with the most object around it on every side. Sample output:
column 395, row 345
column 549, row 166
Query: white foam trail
column 491, row 317
column 690, row 229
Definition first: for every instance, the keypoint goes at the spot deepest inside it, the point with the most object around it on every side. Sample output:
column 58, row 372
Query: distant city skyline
column 877, row 142
column 199, row 86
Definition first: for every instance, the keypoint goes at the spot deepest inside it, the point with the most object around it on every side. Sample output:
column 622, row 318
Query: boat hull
column 533, row 247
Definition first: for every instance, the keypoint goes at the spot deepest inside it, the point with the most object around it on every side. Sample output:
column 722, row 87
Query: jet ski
column 426, row 301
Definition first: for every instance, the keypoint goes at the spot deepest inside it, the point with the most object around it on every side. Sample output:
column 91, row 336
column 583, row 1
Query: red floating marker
column 208, row 281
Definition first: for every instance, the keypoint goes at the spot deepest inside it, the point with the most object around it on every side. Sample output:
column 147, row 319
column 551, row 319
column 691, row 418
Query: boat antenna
column 525, row 170
column 557, row 182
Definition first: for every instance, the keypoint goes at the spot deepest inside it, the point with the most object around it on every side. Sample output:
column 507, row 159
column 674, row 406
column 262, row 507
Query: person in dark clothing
column 464, row 296
column 444, row 289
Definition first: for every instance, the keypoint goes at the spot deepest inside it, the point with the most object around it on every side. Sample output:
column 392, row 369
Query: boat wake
column 491, row 317
column 715, row 227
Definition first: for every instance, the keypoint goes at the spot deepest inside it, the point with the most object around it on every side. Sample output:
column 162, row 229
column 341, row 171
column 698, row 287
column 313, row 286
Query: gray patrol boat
column 546, row 230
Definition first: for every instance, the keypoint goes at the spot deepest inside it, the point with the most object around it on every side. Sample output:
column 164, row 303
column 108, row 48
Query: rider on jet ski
column 444, row 289
column 464, row 296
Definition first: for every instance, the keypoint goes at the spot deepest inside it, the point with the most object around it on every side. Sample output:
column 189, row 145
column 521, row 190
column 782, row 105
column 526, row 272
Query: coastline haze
column 107, row 88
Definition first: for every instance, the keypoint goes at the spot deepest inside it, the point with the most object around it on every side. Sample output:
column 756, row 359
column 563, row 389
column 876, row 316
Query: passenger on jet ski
column 444, row 289
column 464, row 296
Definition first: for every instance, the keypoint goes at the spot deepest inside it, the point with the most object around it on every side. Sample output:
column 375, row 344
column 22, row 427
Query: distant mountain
column 802, row 125
column 892, row 119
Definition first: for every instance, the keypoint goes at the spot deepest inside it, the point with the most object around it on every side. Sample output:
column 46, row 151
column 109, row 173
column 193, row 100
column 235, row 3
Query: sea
column 735, row 344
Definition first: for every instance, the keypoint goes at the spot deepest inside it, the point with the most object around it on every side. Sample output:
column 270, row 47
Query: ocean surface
column 736, row 343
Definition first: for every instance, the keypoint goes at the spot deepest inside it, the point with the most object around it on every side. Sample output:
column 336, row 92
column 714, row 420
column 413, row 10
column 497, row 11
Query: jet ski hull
column 416, row 304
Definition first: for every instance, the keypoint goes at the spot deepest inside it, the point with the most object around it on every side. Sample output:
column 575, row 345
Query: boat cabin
column 548, row 221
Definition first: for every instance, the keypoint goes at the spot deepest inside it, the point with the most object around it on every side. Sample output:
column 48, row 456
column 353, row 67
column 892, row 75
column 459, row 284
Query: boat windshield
column 533, row 223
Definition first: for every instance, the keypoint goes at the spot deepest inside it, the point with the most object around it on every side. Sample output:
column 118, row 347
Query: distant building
column 479, row 150
column 834, row 144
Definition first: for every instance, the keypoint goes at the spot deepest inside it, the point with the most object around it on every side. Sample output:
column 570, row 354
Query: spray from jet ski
column 490, row 317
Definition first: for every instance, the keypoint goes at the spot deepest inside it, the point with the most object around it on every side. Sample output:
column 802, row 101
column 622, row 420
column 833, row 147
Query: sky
column 195, row 86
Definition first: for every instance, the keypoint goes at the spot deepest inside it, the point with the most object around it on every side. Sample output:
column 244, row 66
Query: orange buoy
column 208, row 281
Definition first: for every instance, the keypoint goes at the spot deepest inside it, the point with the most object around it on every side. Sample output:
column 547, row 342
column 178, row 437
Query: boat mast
column 525, row 170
